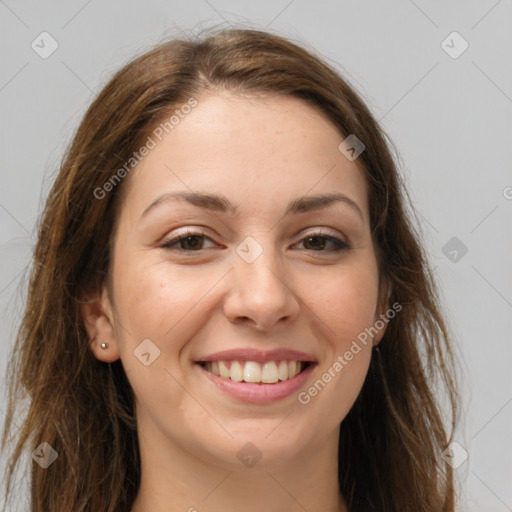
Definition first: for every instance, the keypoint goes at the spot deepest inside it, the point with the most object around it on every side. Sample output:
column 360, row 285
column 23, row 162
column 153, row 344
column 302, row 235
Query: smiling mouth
column 270, row 372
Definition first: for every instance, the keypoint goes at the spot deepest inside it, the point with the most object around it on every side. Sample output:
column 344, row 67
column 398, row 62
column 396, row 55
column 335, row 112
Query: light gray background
column 450, row 119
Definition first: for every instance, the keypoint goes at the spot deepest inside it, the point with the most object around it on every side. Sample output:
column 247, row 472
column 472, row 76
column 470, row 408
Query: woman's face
column 258, row 282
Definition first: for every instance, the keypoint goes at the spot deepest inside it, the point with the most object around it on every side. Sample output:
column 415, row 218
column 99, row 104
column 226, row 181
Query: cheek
column 156, row 303
column 159, row 301
column 345, row 301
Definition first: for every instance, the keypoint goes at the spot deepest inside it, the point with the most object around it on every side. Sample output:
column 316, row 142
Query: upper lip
column 259, row 356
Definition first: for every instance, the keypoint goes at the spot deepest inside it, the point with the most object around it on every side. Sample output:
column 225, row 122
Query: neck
column 173, row 479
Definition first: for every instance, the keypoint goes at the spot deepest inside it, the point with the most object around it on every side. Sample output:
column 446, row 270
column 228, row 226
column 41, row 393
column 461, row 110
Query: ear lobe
column 99, row 324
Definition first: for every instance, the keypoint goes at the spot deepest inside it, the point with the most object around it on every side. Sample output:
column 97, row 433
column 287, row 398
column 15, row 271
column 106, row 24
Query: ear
column 381, row 319
column 97, row 314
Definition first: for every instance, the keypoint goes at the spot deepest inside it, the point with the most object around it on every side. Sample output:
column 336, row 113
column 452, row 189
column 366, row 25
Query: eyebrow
column 219, row 203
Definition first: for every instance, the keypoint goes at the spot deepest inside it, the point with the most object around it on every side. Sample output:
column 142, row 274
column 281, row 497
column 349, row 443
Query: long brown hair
column 391, row 440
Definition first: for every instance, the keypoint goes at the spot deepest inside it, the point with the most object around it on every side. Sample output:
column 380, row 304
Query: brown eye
column 317, row 242
column 194, row 242
column 189, row 242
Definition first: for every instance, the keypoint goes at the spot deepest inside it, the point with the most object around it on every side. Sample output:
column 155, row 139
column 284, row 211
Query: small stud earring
column 104, row 346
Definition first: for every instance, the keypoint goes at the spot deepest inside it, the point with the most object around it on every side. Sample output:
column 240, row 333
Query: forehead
column 261, row 151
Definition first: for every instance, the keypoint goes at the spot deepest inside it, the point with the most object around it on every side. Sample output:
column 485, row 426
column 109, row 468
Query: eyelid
column 341, row 242
column 321, row 232
column 184, row 234
column 334, row 238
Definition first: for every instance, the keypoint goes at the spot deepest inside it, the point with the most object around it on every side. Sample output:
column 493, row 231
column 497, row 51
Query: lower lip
column 260, row 393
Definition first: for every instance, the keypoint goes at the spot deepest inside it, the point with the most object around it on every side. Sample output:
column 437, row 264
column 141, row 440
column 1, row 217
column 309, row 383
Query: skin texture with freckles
column 261, row 153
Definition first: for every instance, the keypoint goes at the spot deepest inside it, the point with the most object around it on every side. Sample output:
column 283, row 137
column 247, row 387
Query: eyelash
column 340, row 244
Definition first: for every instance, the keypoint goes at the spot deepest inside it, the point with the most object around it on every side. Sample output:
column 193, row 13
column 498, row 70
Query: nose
column 261, row 293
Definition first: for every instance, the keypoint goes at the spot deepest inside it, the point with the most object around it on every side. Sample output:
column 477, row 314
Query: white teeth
column 269, row 373
column 224, row 370
column 251, row 371
column 283, row 370
column 236, row 372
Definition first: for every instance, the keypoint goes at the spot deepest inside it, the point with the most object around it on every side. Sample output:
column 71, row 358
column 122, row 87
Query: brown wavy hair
column 391, row 440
